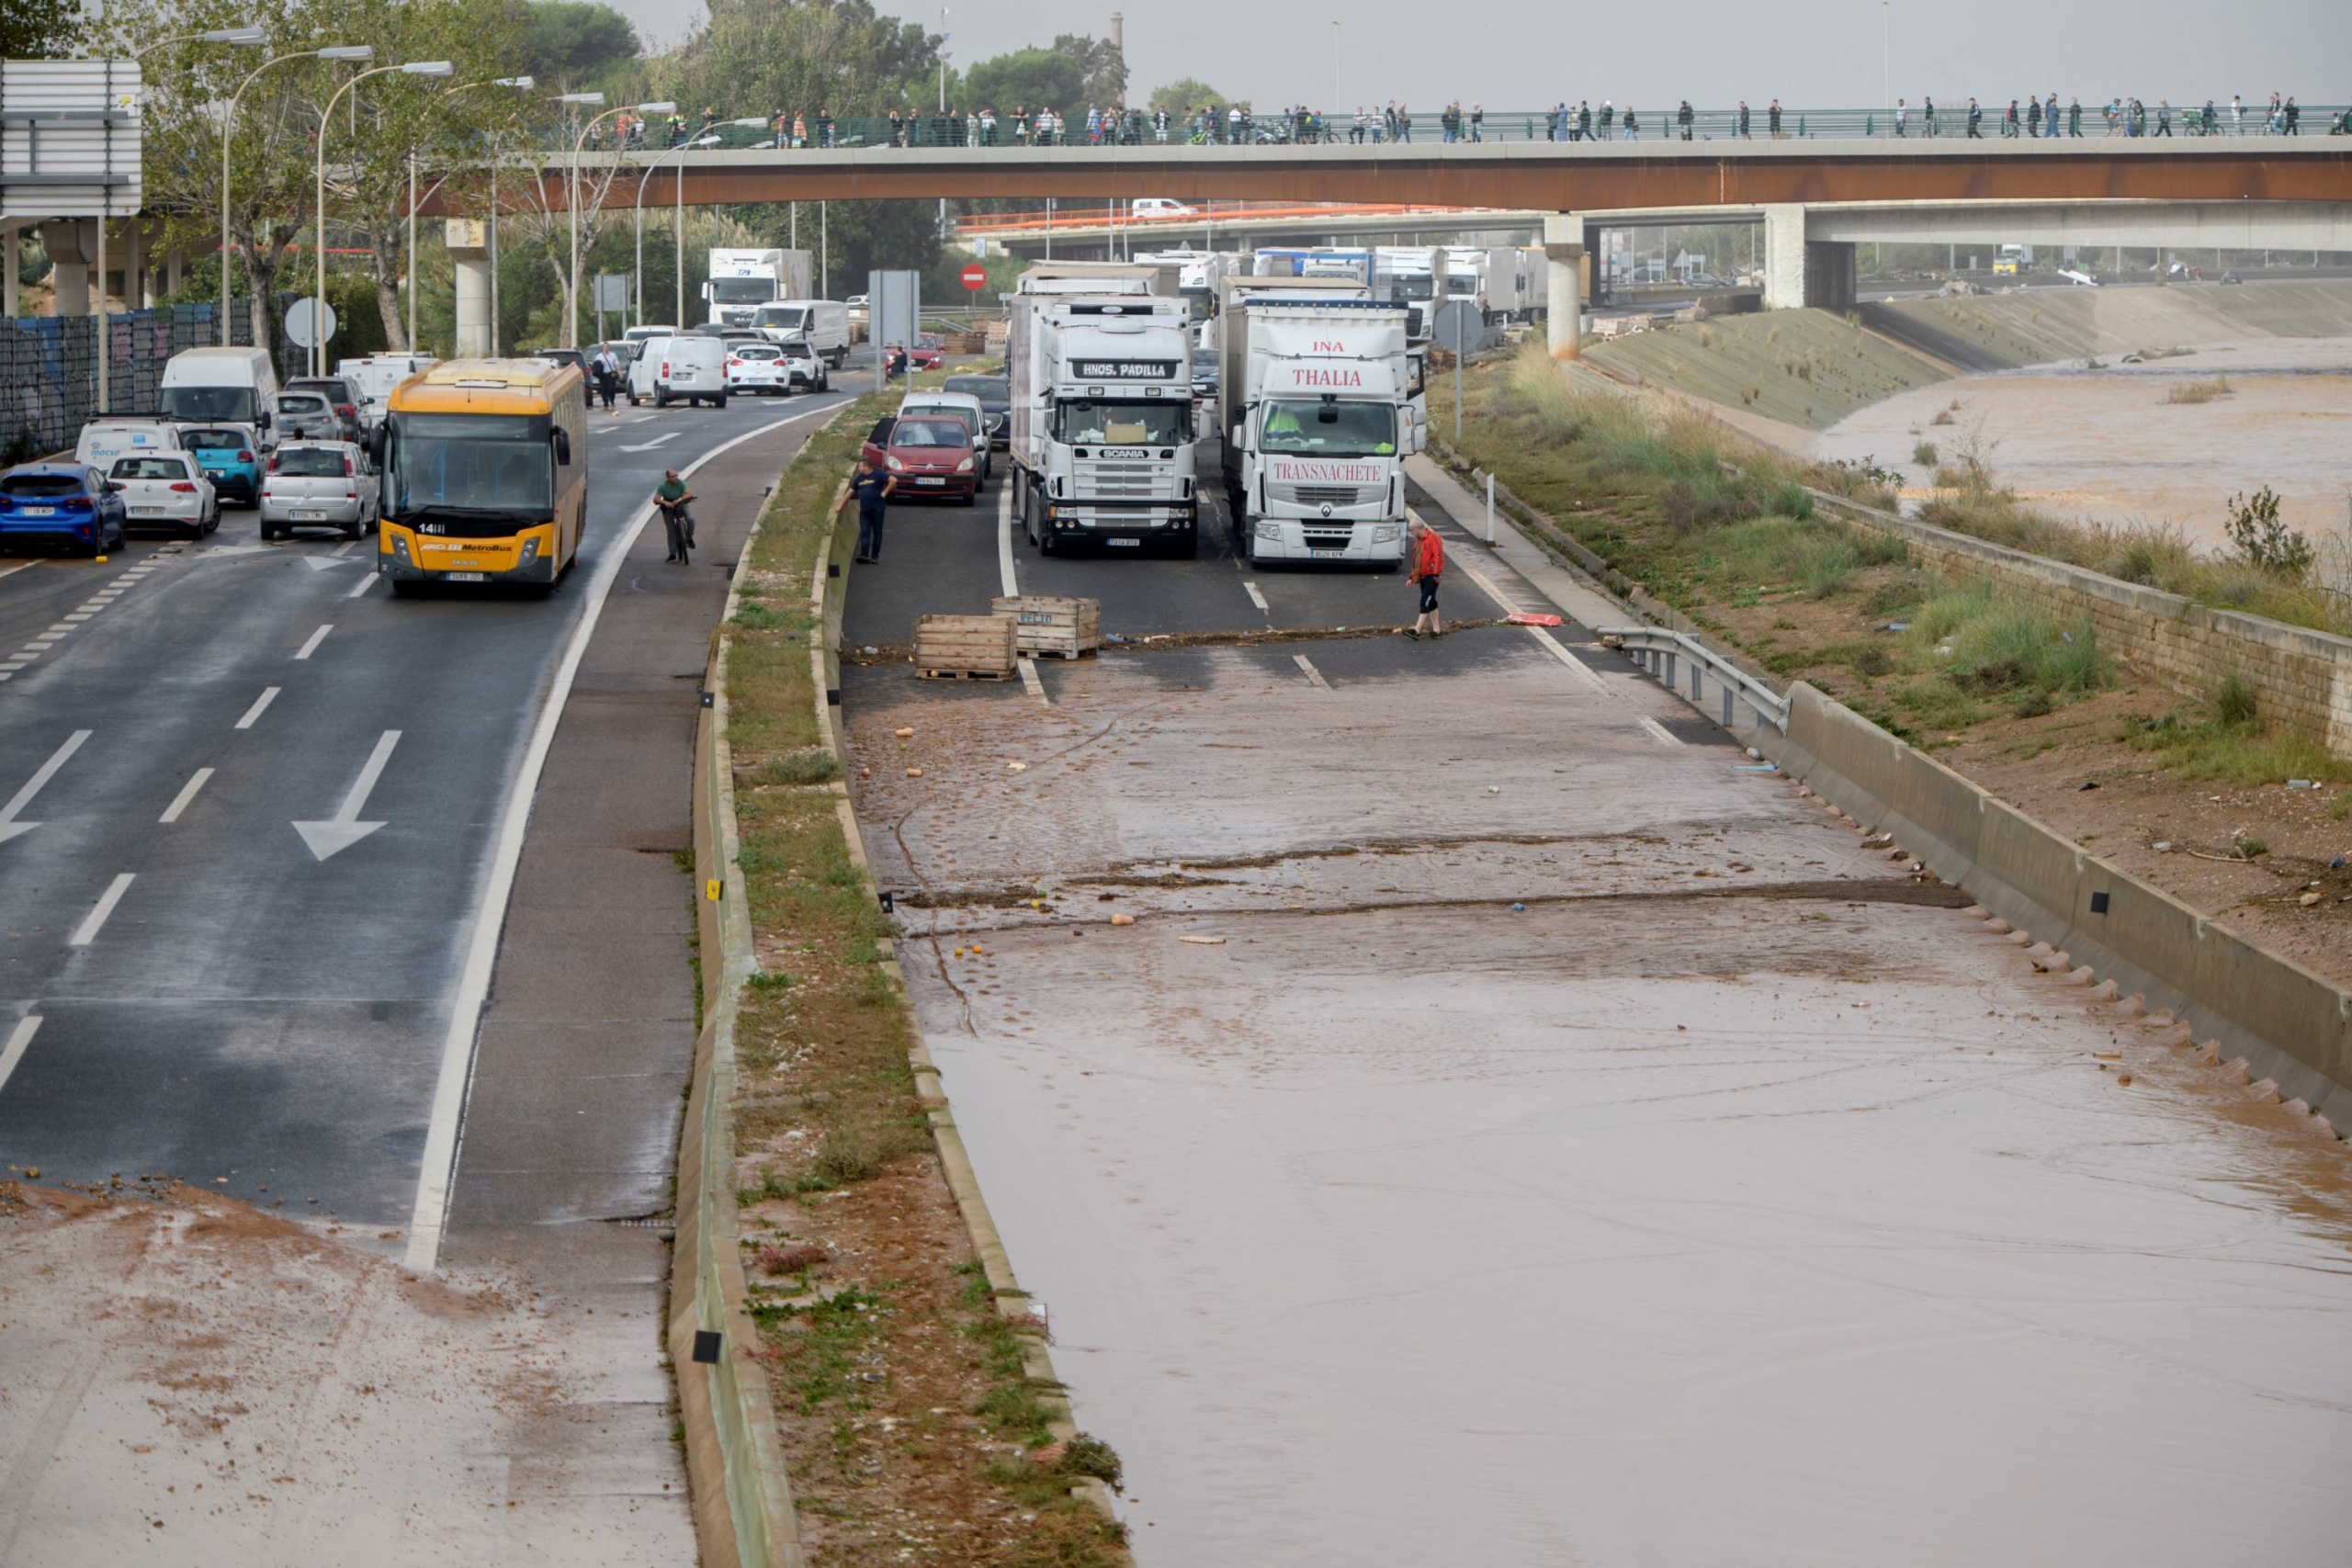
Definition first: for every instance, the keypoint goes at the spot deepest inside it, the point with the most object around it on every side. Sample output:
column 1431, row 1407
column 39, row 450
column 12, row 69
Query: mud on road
column 1512, row 1133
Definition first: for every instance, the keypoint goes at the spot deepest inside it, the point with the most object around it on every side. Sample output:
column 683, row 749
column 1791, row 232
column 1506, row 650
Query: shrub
column 2262, row 541
column 2234, row 701
column 1825, row 565
column 2200, row 391
column 1926, row 455
column 809, row 765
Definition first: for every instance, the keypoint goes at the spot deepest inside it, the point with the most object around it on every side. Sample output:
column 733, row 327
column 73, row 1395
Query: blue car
column 231, row 457
column 62, row 505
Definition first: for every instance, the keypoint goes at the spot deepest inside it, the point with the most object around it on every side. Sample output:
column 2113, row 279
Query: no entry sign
column 975, row 277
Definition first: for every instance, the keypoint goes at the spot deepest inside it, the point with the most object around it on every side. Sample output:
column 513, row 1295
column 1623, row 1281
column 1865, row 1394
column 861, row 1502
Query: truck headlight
column 1385, row 535
column 1269, row 529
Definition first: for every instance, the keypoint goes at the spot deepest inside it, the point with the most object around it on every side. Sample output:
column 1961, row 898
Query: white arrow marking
column 649, row 445
column 9, row 826
column 320, row 563
column 18, row 1038
column 345, row 828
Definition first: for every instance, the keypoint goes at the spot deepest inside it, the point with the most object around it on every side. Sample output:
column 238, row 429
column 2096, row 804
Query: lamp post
column 639, row 291
column 525, row 84
column 319, row 233
column 571, row 197
column 228, row 119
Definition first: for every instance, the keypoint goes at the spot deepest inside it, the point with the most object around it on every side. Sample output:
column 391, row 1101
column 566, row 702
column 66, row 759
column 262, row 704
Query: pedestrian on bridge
column 1772, row 119
column 1976, row 120
column 1429, row 565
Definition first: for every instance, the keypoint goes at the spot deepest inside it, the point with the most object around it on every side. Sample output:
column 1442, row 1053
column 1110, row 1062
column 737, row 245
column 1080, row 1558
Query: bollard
column 1490, row 509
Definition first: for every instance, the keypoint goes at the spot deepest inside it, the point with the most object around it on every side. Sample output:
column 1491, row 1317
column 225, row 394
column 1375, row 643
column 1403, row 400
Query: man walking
column 1976, row 120
column 606, row 369
column 677, row 522
column 871, row 488
column 1429, row 565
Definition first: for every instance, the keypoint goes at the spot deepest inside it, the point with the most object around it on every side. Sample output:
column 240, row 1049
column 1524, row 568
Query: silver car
column 307, row 416
column 317, row 484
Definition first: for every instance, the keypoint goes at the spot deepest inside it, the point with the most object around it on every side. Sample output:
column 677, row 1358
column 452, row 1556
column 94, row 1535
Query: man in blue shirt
column 871, row 488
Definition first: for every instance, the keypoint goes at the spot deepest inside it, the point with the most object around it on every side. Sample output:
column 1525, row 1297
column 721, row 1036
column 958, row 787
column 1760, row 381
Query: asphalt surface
column 216, row 1001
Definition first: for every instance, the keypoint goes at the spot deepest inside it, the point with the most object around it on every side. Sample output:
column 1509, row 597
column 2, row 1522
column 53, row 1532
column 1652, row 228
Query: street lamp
column 229, row 119
column 571, row 194
column 319, row 233
column 525, row 83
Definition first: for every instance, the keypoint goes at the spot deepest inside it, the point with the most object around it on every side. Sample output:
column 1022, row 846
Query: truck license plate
column 1131, row 544
column 1326, row 555
column 464, row 577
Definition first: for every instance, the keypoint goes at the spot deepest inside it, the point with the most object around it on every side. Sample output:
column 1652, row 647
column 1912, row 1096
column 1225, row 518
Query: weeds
column 2200, row 391
column 1926, row 455
column 2262, row 541
column 2227, row 741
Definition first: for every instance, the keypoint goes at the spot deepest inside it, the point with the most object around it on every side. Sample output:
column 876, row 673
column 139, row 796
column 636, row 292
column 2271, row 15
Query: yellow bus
column 485, row 473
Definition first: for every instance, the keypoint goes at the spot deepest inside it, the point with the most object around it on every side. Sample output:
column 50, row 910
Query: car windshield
column 987, row 389
column 151, row 468
column 310, row 463
column 1329, row 430
column 929, row 433
column 1204, row 359
column 214, row 440
column 1084, row 422
column 470, row 474
column 302, row 403
column 40, row 487
column 208, row 403
column 966, row 418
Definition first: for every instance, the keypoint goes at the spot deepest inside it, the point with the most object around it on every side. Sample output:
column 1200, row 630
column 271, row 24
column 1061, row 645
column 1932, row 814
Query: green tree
column 767, row 56
column 1184, row 95
column 1103, row 68
column 1027, row 78
column 573, row 42
column 39, row 29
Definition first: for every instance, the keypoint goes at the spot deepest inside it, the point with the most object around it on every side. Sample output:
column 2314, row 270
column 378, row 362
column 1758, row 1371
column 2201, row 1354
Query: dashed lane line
column 362, row 586
column 94, row 921
column 18, row 1038
column 1012, row 581
column 99, row 601
column 1256, row 598
column 1314, row 676
column 317, row 638
column 188, row 792
column 261, row 705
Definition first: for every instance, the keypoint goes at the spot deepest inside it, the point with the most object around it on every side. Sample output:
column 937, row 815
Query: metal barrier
column 1664, row 653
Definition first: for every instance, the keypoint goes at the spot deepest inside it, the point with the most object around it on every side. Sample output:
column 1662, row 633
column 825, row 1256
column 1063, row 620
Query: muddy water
column 1690, row 1213
column 2105, row 445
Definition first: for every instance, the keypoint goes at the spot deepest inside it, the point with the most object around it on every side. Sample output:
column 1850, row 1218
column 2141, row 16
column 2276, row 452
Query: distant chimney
column 1118, row 33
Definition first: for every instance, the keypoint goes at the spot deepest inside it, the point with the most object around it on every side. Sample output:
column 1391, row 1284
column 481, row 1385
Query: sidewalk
column 1569, row 592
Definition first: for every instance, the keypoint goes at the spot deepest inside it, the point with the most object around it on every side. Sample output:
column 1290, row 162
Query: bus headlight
column 530, row 550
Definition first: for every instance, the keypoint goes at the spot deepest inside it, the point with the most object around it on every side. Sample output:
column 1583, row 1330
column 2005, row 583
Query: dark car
column 931, row 455
column 995, row 393
column 576, row 358
column 1204, row 373
column 340, row 394
column 62, row 505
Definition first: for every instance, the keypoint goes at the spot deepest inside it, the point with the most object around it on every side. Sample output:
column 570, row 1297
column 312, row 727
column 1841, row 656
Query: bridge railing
column 1421, row 128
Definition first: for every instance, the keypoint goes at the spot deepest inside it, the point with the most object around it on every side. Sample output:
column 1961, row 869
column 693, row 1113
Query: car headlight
column 964, row 467
column 895, row 464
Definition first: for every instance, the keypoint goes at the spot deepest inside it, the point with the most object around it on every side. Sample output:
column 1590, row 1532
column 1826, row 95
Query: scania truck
column 744, row 280
column 1102, row 416
column 1315, row 401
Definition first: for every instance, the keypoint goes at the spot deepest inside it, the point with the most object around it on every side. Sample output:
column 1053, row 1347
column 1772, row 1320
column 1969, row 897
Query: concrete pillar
column 134, row 266
column 1829, row 274
column 1564, row 264
column 10, row 305
column 1784, row 256
column 469, row 242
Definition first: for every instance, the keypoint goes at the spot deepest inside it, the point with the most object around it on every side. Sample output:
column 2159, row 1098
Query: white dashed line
column 364, row 584
column 187, row 794
column 1659, row 732
column 92, row 923
column 269, row 695
column 1256, row 598
column 1313, row 674
column 316, row 637
column 18, row 1038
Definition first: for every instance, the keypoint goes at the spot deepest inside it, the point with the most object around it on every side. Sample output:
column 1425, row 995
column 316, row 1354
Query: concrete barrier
column 2290, row 1024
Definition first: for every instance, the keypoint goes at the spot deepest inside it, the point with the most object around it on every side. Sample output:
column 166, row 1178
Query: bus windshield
column 482, row 476
column 1329, row 430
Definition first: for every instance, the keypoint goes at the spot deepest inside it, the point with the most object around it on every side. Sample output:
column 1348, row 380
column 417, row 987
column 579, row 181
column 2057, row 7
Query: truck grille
column 1123, row 481
column 1328, row 495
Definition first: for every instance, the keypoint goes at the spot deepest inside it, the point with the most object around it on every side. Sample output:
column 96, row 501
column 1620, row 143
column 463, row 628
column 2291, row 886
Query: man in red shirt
column 1429, row 564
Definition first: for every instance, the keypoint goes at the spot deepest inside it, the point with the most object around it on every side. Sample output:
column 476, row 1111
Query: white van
column 823, row 324
column 642, row 369
column 112, row 436
column 219, row 385
column 375, row 377
column 1159, row 206
column 688, row 368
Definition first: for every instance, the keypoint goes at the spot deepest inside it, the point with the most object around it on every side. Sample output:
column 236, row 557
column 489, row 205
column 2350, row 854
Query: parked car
column 925, row 354
column 758, row 367
column 230, row 456
column 62, row 505
column 307, row 416
column 931, row 454
column 341, row 395
column 809, row 372
column 576, row 358
column 321, row 484
column 877, row 440
column 995, row 395
column 964, row 409
column 166, row 489
column 1205, row 374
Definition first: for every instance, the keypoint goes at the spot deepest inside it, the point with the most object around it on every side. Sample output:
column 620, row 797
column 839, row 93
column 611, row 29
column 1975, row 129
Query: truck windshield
column 205, row 404
column 479, row 475
column 1329, row 430
column 791, row 317
column 1411, row 289
column 742, row 290
column 1084, row 422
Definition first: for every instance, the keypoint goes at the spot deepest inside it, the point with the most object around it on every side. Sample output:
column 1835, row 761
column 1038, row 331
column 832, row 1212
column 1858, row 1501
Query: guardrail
column 1662, row 652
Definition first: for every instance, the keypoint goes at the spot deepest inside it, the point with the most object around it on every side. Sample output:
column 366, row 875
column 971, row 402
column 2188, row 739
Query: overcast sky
column 1827, row 53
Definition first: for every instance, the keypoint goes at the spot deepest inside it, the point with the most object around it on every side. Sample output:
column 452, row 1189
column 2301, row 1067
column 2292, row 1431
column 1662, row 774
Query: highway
column 1519, row 1128
column 253, row 808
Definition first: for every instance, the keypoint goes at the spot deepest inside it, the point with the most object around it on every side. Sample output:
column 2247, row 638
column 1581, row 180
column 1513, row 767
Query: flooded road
column 1733, row 1199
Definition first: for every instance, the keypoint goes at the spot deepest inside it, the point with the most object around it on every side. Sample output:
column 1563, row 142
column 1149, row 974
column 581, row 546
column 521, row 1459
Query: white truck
column 1102, row 416
column 740, row 281
column 1315, row 401
column 823, row 324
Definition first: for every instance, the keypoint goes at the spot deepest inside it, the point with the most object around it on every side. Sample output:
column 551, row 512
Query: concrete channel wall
column 2302, row 678
column 2291, row 1026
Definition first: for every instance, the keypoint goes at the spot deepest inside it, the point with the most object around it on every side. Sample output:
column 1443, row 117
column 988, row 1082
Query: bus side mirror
column 376, row 446
column 563, row 446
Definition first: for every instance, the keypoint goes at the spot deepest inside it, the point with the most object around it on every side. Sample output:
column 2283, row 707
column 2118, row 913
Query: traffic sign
column 299, row 318
column 975, row 277
column 1458, row 328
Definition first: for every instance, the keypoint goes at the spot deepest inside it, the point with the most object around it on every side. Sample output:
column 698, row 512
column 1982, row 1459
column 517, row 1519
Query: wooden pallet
column 965, row 675
column 1052, row 625
column 978, row 646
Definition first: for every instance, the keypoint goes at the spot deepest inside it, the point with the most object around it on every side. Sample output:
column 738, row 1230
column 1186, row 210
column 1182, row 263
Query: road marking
column 1313, row 674
column 269, row 695
column 365, row 583
column 1004, row 541
column 316, row 637
column 430, row 1213
column 1551, row 644
column 1583, row 673
column 342, row 831
column 1659, row 732
column 9, row 826
column 1257, row 599
column 87, row 932
column 1036, row 688
column 18, row 1038
column 20, row 566
column 649, row 445
column 187, row 794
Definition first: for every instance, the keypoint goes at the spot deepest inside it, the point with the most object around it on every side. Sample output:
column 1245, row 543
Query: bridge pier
column 1565, row 254
column 469, row 242
column 1800, row 271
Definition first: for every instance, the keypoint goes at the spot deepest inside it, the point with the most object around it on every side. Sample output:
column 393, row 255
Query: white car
column 758, row 367
column 317, row 484
column 166, row 489
column 808, row 370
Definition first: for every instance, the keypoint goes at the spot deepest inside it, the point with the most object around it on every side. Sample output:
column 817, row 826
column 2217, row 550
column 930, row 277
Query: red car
column 925, row 355
column 928, row 455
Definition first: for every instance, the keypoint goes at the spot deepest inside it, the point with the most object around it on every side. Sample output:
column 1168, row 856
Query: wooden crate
column 1050, row 627
column 963, row 646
